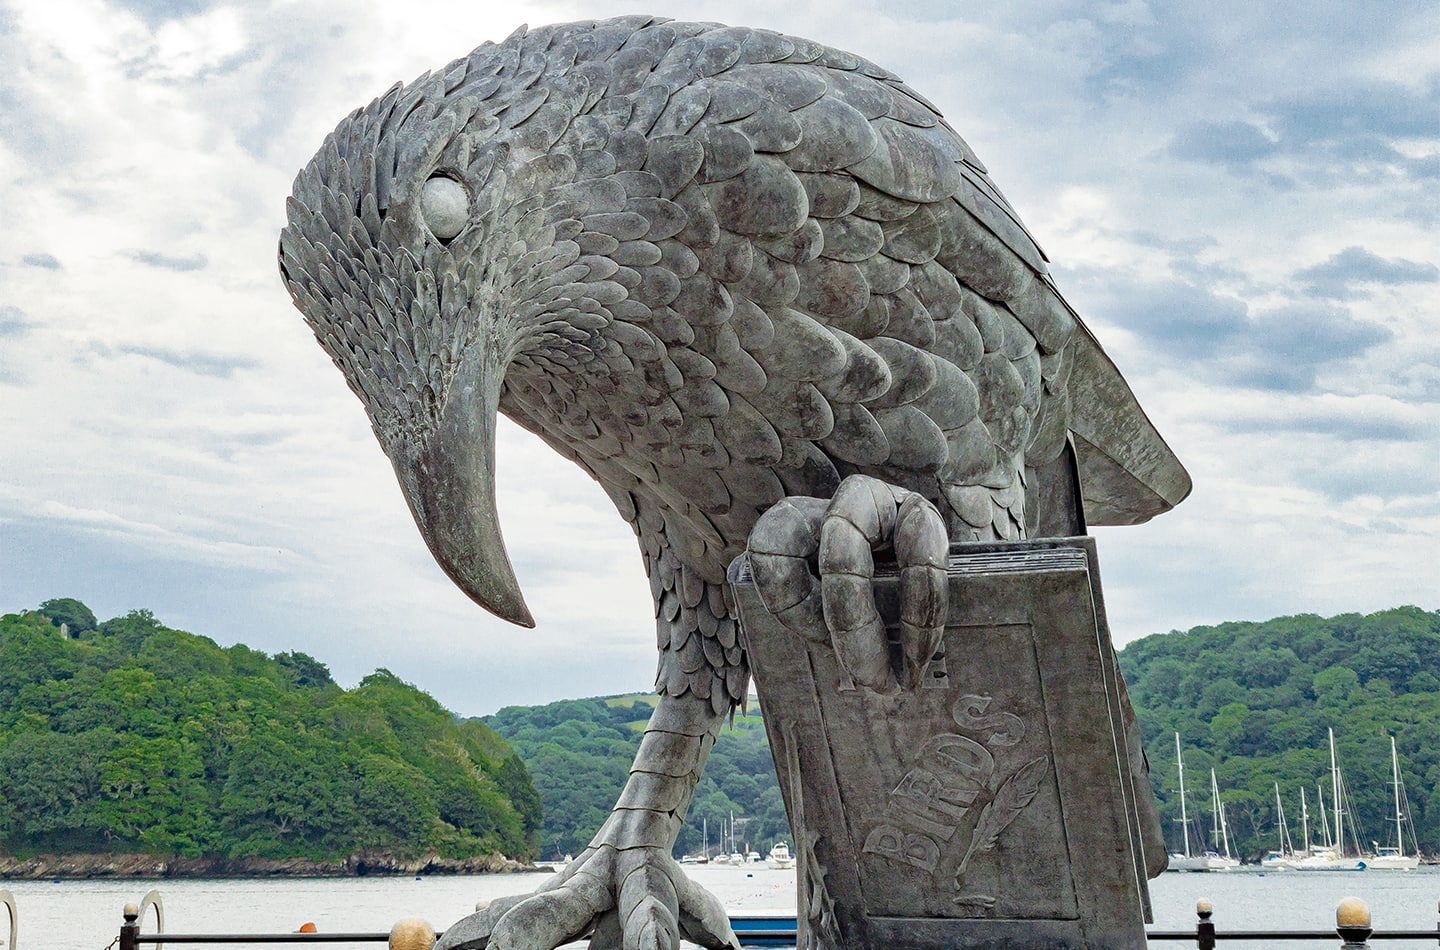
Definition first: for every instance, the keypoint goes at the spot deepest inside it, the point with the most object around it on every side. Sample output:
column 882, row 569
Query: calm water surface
column 85, row 915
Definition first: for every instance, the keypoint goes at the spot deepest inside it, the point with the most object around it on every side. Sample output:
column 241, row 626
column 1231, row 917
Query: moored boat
column 1184, row 860
column 1332, row 856
column 1395, row 859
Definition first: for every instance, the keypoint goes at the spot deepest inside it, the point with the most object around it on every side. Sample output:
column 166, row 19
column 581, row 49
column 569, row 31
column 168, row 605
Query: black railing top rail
column 1431, row 936
column 370, row 937
column 1352, row 926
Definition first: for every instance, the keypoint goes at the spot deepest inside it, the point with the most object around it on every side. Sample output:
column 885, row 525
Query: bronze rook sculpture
column 730, row 272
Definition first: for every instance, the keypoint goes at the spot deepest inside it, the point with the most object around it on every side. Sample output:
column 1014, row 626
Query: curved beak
column 450, row 486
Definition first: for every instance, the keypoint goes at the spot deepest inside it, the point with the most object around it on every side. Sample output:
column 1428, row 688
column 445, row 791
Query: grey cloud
column 935, row 11
column 168, row 262
column 1316, row 332
column 202, row 364
column 1219, row 337
column 1222, row 143
column 1343, row 423
column 1185, row 257
column 13, row 322
column 1285, row 347
column 1165, row 242
column 1427, row 166
column 35, row 137
column 1188, row 319
column 152, row 67
column 156, row 12
column 1362, row 113
column 1346, row 132
column 47, row 261
column 1335, row 277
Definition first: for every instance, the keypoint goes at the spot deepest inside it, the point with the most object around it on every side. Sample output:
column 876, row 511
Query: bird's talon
column 840, row 536
column 635, row 899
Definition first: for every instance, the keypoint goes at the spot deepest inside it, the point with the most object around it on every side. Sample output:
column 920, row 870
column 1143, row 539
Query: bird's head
column 403, row 241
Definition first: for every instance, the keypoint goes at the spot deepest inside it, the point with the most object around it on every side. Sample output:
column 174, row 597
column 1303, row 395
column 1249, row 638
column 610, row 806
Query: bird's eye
column 445, row 206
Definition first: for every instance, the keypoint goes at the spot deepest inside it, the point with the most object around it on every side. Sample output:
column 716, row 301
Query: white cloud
column 174, row 439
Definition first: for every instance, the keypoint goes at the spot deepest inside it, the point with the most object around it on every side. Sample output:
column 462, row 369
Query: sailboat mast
column 1399, row 820
column 1220, row 813
column 1286, row 845
column 1324, row 818
column 1184, row 819
column 1305, row 818
column 1336, row 806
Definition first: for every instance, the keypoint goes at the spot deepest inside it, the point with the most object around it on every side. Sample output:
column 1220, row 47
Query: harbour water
column 85, row 915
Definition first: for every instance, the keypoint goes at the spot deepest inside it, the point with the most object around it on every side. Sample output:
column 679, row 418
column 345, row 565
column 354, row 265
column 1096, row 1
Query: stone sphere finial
column 1352, row 912
column 130, row 912
column 1203, row 908
column 412, row 933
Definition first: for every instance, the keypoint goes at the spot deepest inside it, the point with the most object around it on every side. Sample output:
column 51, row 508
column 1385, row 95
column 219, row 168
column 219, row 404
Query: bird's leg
column 625, row 889
column 837, row 537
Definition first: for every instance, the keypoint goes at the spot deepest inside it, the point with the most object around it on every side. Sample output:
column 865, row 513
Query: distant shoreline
column 43, row 867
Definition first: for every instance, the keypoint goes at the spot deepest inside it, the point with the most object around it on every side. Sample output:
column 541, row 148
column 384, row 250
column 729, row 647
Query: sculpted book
column 994, row 805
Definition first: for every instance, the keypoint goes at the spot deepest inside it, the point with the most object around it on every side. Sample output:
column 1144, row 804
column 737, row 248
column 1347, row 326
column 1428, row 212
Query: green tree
column 71, row 612
column 145, row 738
column 303, row 669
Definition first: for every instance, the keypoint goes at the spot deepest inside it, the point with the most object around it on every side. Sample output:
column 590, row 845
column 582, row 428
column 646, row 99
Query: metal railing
column 1353, row 927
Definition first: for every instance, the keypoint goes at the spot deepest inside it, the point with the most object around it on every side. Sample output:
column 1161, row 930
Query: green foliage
column 579, row 752
column 1255, row 701
column 138, row 737
column 69, row 611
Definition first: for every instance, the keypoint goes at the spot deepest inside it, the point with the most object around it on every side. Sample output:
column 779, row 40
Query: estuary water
column 85, row 915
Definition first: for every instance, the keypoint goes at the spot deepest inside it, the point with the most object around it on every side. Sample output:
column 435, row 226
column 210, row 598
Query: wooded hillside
column 1255, row 700
column 579, row 752
column 129, row 736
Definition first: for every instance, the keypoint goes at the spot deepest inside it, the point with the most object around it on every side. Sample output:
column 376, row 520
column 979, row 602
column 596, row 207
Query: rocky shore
column 86, row 866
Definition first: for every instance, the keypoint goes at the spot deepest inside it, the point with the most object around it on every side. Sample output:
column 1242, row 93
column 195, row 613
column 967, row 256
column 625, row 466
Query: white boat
column 1328, row 859
column 1395, row 859
column 1285, row 858
column 1392, row 859
column 1185, row 861
column 1221, row 832
column 780, row 858
column 1331, row 855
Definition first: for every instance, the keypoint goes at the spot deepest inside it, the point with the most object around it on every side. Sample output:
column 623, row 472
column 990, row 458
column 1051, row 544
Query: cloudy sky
column 1242, row 200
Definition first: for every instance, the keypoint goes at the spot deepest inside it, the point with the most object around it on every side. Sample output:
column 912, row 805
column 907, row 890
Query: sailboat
column 1285, row 857
column 1331, row 856
column 1220, row 832
column 1185, row 861
column 1395, row 859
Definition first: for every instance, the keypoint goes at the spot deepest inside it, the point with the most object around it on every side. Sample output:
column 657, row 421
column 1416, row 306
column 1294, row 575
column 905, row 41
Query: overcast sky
column 1241, row 200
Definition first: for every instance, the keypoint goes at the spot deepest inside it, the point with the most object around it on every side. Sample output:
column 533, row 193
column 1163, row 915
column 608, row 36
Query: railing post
column 1352, row 923
column 1204, row 927
column 130, row 929
column 412, row 933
